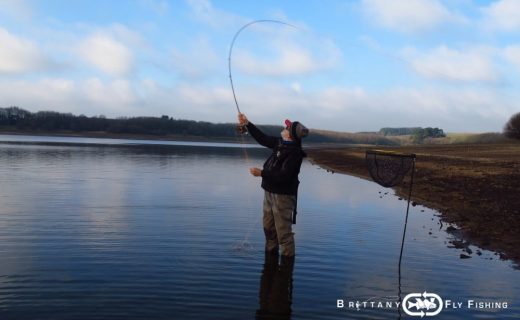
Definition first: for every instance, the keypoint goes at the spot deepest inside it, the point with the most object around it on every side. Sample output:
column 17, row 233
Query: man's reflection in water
column 276, row 288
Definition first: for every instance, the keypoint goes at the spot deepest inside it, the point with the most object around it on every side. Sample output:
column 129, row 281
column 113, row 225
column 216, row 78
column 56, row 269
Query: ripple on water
column 131, row 233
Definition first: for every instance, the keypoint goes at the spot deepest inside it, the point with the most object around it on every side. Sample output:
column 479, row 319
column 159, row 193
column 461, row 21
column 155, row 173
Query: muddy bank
column 476, row 187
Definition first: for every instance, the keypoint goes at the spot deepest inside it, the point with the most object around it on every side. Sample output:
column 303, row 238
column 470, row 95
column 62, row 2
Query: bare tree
column 512, row 127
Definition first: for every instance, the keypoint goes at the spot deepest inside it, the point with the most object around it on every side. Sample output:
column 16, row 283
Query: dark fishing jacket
column 281, row 169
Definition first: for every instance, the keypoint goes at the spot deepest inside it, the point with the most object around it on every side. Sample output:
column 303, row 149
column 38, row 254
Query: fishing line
column 245, row 246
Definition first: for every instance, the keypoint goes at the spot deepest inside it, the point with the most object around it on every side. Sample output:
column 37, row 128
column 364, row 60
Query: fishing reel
column 241, row 129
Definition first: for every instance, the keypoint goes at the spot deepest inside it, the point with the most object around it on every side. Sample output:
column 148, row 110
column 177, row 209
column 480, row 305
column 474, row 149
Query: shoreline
column 474, row 187
column 238, row 139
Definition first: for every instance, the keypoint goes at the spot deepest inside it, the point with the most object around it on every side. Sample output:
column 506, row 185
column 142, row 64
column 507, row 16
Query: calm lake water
column 174, row 232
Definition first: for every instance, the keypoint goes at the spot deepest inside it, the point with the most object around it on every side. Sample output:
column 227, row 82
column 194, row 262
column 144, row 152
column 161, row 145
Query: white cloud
column 19, row 55
column 19, row 9
column 449, row 64
column 90, row 96
column 41, row 94
column 296, row 87
column 116, row 49
column 286, row 54
column 271, row 49
column 409, row 15
column 160, row 7
column 453, row 110
column 338, row 108
column 204, row 11
column 291, row 61
column 116, row 94
column 356, row 109
column 196, row 61
column 512, row 53
column 502, row 15
column 107, row 54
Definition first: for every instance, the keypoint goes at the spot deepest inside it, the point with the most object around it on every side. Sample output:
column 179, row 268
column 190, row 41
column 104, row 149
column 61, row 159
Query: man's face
column 285, row 135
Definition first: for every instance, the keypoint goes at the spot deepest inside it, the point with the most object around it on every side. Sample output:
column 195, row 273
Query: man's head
column 294, row 131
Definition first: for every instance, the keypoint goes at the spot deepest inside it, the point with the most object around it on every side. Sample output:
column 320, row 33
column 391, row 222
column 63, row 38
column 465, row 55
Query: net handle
column 405, row 225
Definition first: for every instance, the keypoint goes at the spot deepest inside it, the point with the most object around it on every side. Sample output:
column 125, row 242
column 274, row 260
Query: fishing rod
column 244, row 245
column 242, row 129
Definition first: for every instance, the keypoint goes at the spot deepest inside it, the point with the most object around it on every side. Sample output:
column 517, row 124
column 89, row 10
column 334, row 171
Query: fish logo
column 423, row 304
column 430, row 302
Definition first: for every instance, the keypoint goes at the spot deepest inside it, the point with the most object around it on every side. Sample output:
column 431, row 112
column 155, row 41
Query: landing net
column 388, row 168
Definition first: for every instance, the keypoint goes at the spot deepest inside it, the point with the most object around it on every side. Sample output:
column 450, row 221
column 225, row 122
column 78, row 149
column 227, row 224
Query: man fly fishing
column 280, row 183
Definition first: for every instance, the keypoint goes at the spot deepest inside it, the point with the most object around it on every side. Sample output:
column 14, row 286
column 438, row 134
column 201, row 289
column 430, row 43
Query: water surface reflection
column 276, row 288
column 128, row 232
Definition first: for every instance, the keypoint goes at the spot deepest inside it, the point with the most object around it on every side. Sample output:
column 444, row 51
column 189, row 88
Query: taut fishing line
column 244, row 246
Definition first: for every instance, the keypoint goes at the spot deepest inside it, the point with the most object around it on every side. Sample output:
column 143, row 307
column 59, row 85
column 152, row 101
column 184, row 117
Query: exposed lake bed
column 475, row 187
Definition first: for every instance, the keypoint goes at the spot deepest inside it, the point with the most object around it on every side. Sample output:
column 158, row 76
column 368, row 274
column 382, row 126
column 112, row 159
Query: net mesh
column 388, row 168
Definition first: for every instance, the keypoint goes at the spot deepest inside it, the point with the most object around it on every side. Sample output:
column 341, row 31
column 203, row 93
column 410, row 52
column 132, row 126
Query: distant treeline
column 54, row 121
column 15, row 118
column 398, row 131
column 429, row 133
column 426, row 132
column 418, row 134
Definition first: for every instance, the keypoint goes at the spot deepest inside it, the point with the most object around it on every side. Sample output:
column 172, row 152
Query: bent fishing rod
column 242, row 129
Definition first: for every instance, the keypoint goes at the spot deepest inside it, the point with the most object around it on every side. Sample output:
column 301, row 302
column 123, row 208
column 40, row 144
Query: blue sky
column 347, row 65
